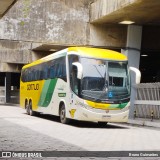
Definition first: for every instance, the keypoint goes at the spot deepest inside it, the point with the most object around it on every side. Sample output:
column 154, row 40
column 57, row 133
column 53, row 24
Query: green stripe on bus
column 120, row 106
column 43, row 93
column 47, row 92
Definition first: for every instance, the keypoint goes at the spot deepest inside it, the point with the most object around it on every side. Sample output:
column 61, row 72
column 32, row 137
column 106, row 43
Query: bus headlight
column 125, row 109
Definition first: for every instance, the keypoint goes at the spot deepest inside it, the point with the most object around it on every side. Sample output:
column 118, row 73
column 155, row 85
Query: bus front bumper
column 87, row 115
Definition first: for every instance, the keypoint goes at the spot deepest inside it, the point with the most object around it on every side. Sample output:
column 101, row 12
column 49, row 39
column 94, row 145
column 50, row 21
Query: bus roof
column 99, row 53
column 85, row 52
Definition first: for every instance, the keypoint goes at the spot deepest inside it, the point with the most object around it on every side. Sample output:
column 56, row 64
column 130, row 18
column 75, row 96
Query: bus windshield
column 105, row 80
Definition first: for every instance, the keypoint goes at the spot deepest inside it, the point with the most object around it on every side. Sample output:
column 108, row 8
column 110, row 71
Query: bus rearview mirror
column 135, row 75
column 79, row 69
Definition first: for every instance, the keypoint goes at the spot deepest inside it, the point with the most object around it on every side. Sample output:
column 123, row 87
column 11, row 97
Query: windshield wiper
column 98, row 71
column 95, row 89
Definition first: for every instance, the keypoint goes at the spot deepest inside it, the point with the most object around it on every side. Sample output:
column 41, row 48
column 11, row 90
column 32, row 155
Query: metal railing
column 14, row 96
column 147, row 103
column 2, row 94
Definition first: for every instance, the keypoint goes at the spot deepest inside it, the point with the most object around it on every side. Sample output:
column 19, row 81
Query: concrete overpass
column 5, row 5
column 116, row 11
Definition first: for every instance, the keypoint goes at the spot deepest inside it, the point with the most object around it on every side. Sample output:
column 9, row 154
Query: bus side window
column 45, row 71
column 51, row 72
column 26, row 75
column 63, row 65
column 74, row 80
column 60, row 71
column 56, row 69
column 39, row 72
column 23, row 76
column 48, row 70
column 52, row 69
column 41, row 75
column 62, row 68
column 72, row 58
column 33, row 74
column 36, row 74
column 29, row 75
column 73, row 73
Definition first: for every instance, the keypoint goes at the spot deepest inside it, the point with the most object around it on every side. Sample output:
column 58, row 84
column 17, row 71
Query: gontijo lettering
column 33, row 87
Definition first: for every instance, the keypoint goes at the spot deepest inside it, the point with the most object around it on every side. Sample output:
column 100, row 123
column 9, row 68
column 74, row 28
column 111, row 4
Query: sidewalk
column 9, row 104
column 145, row 122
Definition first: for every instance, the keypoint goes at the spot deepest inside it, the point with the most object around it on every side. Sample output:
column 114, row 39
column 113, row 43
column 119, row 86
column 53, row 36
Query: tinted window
column 48, row 70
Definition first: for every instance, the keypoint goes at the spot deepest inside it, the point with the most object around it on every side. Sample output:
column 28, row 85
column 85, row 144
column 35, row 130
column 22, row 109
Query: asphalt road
column 21, row 132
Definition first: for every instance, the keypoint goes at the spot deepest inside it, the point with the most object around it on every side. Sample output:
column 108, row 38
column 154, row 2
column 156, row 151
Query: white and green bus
column 86, row 84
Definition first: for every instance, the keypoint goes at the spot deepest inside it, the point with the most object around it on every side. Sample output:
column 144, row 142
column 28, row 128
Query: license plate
column 106, row 117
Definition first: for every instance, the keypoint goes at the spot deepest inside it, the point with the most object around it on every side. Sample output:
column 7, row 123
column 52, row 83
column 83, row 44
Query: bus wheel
column 62, row 114
column 31, row 112
column 28, row 109
column 102, row 124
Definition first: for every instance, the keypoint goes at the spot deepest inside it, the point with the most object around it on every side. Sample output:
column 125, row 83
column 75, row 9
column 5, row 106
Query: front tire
column 62, row 114
column 102, row 124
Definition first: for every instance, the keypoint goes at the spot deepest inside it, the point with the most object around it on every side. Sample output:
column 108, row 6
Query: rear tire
column 31, row 112
column 27, row 109
column 62, row 114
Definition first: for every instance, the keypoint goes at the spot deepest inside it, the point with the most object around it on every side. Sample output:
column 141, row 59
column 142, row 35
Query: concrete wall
column 108, row 35
column 9, row 67
column 13, row 54
column 55, row 21
column 61, row 22
column 15, row 51
column 58, row 22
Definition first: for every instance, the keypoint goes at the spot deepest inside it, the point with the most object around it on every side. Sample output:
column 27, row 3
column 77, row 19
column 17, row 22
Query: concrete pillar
column 132, row 51
column 7, row 87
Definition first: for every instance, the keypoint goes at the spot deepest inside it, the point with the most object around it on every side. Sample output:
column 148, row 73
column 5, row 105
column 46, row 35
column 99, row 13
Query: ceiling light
column 53, row 50
column 144, row 55
column 126, row 22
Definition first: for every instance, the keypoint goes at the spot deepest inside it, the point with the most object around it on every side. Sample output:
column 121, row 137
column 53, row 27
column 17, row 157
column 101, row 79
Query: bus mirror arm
column 135, row 75
column 79, row 69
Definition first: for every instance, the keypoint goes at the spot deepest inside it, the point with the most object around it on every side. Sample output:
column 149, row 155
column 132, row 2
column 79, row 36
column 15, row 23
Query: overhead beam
column 115, row 11
column 5, row 5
